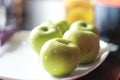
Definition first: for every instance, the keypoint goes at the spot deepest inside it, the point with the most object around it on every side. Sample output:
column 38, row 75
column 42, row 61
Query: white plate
column 19, row 61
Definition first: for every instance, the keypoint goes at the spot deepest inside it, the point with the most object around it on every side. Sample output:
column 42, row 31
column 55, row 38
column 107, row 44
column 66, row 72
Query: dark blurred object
column 11, row 18
column 11, row 12
column 107, row 19
column 118, row 77
column 7, row 33
column 15, row 11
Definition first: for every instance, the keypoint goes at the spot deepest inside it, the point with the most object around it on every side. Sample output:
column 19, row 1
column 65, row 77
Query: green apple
column 87, row 41
column 40, row 34
column 63, row 25
column 83, row 25
column 59, row 57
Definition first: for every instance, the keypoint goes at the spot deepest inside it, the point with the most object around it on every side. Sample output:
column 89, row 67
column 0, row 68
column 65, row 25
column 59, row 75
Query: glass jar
column 79, row 10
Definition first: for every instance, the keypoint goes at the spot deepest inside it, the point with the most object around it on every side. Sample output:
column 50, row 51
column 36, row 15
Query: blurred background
column 27, row 14
column 30, row 13
column 18, row 15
